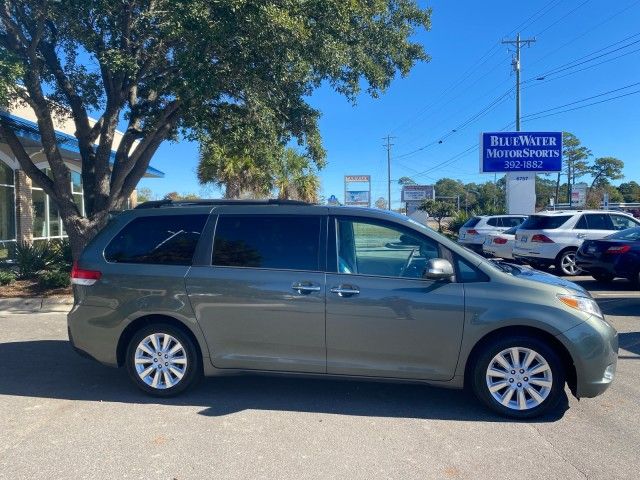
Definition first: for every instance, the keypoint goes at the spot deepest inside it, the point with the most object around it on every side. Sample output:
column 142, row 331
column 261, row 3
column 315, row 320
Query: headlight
column 584, row 304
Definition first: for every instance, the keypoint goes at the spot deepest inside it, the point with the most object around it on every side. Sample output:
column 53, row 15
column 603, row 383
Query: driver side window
column 369, row 247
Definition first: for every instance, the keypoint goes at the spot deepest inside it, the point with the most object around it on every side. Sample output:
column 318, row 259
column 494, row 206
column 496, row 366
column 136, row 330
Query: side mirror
column 438, row 269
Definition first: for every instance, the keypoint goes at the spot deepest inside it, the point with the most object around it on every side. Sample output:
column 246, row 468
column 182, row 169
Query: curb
column 36, row 304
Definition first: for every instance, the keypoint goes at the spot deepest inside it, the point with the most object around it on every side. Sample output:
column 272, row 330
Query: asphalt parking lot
column 63, row 416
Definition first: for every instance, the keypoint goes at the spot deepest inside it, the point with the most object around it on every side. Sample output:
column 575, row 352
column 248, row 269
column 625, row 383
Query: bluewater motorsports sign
column 502, row 152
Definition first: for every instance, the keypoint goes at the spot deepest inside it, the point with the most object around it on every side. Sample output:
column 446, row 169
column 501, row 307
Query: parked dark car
column 617, row 255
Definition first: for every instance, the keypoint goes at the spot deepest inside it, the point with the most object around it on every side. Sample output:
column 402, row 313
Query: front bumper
column 593, row 346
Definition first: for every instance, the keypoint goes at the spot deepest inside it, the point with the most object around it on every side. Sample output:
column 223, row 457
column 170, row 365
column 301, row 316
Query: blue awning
column 28, row 129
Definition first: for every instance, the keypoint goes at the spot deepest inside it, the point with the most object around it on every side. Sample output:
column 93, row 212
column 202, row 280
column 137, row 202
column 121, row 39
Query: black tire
column 603, row 277
column 560, row 262
column 491, row 349
column 192, row 371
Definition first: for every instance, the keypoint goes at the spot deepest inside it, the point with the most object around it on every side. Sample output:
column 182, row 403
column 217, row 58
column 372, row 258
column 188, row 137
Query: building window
column 7, row 210
column 47, row 222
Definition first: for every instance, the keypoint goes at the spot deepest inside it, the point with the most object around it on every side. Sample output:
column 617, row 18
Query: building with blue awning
column 26, row 213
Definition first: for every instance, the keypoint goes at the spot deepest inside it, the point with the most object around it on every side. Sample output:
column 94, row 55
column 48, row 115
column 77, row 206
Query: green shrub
column 6, row 277
column 54, row 279
column 457, row 221
column 62, row 250
column 34, row 258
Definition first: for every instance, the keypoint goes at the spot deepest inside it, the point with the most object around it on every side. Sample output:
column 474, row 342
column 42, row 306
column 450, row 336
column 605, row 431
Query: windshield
column 630, row 234
column 544, row 222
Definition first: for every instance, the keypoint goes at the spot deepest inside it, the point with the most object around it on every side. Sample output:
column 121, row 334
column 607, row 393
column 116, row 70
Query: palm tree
column 294, row 177
column 238, row 174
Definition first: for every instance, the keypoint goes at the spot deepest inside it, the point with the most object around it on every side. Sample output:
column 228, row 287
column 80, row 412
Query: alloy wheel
column 568, row 264
column 160, row 361
column 519, row 378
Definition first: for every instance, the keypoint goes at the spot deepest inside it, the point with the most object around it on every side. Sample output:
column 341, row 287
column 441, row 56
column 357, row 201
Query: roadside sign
column 579, row 195
column 502, row 152
column 418, row 193
column 333, row 200
column 413, row 206
column 357, row 190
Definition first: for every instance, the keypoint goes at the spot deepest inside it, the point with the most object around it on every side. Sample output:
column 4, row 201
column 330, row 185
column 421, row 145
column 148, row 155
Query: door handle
column 305, row 287
column 345, row 290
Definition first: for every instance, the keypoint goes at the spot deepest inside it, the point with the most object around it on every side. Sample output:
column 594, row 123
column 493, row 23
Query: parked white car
column 474, row 232
column 500, row 245
column 553, row 237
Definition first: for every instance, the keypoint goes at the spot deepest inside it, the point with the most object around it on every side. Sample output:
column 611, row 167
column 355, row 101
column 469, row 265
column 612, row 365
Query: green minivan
column 176, row 290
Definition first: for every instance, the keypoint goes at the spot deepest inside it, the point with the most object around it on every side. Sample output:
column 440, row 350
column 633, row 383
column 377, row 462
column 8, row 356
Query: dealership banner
column 502, row 152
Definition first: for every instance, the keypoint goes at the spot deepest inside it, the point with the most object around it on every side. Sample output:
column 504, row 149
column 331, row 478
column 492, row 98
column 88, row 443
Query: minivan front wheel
column 519, row 377
column 162, row 360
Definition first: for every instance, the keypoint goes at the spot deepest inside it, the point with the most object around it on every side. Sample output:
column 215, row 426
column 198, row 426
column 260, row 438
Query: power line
column 542, row 79
column 561, row 18
column 481, row 61
column 493, row 104
column 583, row 99
column 577, row 63
column 587, row 31
column 534, row 117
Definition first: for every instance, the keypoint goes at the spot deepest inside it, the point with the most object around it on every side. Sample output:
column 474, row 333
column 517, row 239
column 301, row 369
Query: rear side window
column 162, row 240
column 472, row 222
column 262, row 241
column 543, row 222
column 495, row 222
column 512, row 221
column 599, row 221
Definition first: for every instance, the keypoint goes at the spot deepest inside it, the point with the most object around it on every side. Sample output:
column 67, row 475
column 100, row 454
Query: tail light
column 472, row 231
column 539, row 238
column 500, row 240
column 618, row 249
column 80, row 276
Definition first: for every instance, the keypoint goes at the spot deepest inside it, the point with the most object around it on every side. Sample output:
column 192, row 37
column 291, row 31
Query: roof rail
column 218, row 201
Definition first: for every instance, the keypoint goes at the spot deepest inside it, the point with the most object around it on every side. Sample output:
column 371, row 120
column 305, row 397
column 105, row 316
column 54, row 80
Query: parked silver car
column 175, row 290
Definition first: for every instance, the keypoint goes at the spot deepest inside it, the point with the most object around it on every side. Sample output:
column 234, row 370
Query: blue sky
column 470, row 70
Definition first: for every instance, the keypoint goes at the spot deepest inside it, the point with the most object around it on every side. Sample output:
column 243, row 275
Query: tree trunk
column 81, row 230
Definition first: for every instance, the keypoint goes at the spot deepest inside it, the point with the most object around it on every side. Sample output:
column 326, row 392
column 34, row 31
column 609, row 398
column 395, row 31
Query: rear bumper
column 94, row 333
column 617, row 267
column 593, row 345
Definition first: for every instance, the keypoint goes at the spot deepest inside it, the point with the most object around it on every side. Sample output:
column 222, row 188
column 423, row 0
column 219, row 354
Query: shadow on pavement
column 50, row 369
column 619, row 306
column 629, row 341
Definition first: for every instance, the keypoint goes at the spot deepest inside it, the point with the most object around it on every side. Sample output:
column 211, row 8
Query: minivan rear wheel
column 519, row 377
column 162, row 360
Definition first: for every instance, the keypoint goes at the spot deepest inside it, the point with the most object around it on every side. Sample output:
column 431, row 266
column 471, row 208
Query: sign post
column 357, row 190
column 521, row 155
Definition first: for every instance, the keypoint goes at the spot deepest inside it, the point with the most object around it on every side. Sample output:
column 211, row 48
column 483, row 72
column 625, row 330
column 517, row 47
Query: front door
column 261, row 304
column 383, row 318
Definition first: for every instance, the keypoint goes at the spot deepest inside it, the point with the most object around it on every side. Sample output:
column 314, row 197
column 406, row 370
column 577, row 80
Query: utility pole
column 388, row 145
column 516, row 67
